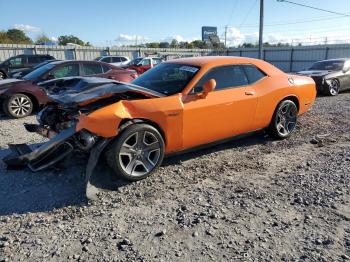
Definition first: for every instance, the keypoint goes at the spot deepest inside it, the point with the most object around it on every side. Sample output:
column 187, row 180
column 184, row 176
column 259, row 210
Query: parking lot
column 245, row 199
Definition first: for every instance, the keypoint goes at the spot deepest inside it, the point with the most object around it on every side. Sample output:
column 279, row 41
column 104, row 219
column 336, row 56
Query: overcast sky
column 111, row 22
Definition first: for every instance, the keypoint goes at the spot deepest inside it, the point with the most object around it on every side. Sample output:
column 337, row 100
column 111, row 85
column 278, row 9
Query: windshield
column 135, row 61
column 98, row 58
column 328, row 65
column 167, row 79
column 35, row 74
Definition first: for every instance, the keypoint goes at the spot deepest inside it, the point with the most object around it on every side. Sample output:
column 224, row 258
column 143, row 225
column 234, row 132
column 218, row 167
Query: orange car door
column 225, row 112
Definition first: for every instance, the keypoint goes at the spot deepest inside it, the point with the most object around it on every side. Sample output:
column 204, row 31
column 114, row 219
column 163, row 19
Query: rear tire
column 284, row 120
column 137, row 152
column 18, row 106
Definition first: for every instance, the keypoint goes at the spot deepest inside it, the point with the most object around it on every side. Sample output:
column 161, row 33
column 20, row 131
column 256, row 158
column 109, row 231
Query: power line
column 232, row 12
column 312, row 7
column 248, row 13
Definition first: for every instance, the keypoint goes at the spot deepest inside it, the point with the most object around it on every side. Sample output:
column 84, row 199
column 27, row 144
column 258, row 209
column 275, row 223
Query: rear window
column 106, row 68
column 92, row 69
column 253, row 73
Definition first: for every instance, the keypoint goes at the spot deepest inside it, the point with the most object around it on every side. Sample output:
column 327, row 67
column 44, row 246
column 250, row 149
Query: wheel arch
column 3, row 71
column 293, row 98
column 129, row 121
column 35, row 101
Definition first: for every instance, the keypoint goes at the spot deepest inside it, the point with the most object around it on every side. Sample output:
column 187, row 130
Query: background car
column 331, row 76
column 114, row 60
column 142, row 64
column 20, row 97
column 22, row 72
column 21, row 61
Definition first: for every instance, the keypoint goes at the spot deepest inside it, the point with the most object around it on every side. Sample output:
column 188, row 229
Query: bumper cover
column 44, row 156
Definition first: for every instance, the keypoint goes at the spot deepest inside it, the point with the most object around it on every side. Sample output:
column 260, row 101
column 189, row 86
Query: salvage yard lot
column 245, row 199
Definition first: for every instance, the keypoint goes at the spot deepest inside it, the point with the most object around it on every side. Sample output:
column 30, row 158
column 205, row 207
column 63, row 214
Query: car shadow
column 258, row 137
column 23, row 191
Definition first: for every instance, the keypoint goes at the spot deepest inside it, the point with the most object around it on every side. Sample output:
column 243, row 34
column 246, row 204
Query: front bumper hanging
column 42, row 157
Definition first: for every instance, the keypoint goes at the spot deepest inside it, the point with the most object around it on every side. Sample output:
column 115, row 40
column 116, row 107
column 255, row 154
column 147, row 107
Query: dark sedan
column 331, row 76
column 20, row 73
column 20, row 97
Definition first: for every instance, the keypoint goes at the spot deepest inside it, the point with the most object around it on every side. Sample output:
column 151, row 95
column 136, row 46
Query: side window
column 44, row 58
column 16, row 61
column 123, row 59
column 106, row 59
column 106, row 68
column 254, row 74
column 225, row 77
column 65, row 71
column 116, row 59
column 146, row 62
column 156, row 61
column 92, row 69
column 34, row 60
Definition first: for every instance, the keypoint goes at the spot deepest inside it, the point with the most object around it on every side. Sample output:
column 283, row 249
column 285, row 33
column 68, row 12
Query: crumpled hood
column 72, row 91
column 6, row 83
column 314, row 72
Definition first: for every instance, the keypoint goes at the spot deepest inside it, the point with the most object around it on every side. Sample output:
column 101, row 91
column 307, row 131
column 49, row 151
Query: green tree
column 42, row 39
column 65, row 39
column 164, row 45
column 174, row 43
column 199, row 44
column 3, row 38
column 152, row 45
column 17, row 36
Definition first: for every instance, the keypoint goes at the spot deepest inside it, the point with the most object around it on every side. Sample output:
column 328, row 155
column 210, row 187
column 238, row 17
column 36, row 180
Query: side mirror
column 208, row 87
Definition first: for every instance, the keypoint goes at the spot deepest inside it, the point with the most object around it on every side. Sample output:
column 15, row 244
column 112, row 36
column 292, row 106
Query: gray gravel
column 251, row 199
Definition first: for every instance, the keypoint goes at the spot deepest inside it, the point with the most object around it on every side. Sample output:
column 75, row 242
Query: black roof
column 35, row 55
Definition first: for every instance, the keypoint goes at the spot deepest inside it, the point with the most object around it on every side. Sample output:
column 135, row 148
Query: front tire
column 2, row 75
column 18, row 106
column 137, row 152
column 284, row 120
column 332, row 87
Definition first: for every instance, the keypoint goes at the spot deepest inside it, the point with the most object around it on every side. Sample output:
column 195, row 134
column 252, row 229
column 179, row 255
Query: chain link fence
column 289, row 59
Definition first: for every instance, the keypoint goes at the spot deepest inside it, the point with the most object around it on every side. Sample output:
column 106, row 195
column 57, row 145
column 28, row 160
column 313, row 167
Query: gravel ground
column 249, row 199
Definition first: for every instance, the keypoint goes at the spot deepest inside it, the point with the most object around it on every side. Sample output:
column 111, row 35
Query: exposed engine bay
column 71, row 98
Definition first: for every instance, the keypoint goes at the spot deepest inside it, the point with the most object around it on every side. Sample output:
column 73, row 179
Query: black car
column 331, row 76
column 20, row 73
column 21, row 61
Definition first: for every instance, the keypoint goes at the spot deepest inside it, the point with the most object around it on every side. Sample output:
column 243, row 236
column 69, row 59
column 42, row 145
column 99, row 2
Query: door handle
column 249, row 93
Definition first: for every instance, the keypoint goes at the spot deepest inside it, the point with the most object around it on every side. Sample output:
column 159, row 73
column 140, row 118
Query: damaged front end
column 71, row 98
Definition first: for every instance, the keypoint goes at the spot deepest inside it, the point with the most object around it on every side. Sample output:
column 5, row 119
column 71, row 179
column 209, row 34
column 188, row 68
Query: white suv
column 114, row 60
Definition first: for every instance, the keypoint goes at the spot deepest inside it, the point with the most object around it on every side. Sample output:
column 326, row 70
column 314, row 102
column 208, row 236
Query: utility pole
column 261, row 26
column 225, row 34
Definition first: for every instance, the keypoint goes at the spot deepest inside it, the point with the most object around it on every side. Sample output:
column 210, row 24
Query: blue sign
column 208, row 31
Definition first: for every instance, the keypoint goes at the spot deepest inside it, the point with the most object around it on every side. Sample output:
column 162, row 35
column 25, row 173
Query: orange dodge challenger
column 177, row 105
